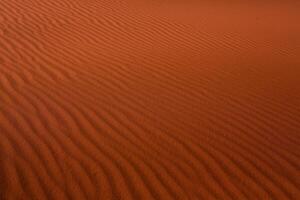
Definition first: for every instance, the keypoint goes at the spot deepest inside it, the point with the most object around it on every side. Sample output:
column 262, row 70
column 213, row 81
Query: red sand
column 128, row 99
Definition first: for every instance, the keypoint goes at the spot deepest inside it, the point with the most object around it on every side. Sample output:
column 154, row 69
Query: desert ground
column 149, row 99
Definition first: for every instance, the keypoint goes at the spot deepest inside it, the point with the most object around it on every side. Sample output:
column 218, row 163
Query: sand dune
column 116, row 99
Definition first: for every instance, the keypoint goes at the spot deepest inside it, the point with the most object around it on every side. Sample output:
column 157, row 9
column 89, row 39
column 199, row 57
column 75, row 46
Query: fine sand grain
column 149, row 99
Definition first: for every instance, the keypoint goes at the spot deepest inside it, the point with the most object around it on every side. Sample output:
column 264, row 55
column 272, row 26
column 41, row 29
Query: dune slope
column 127, row 99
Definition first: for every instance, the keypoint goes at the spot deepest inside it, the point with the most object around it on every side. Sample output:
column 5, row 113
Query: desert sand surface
column 140, row 99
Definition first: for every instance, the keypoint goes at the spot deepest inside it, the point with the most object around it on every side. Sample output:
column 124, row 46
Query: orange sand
column 128, row 99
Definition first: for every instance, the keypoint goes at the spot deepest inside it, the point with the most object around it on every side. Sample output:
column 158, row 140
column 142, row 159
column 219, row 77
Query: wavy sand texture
column 127, row 99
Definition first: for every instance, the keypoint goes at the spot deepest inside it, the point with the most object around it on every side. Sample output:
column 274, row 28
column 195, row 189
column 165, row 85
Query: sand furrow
column 84, row 120
column 116, row 99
